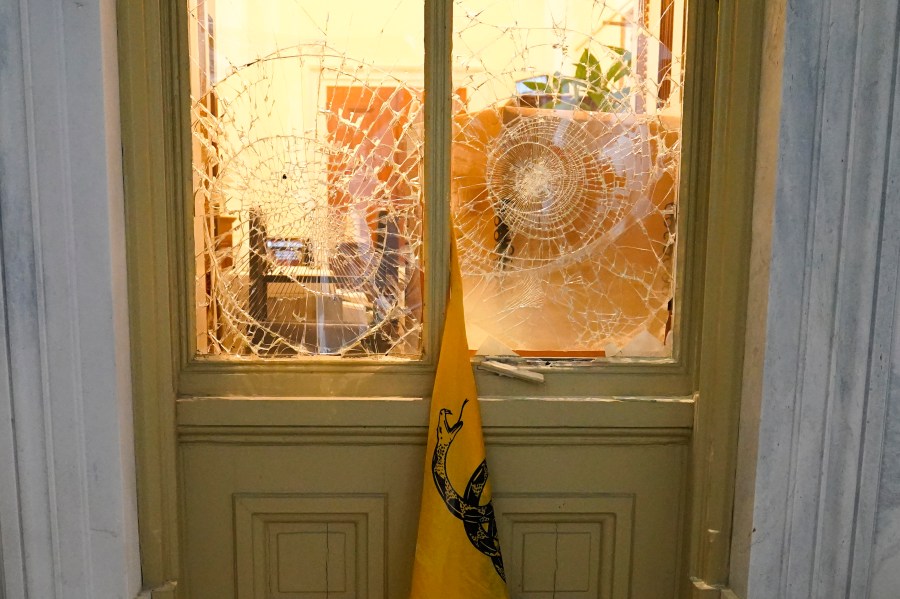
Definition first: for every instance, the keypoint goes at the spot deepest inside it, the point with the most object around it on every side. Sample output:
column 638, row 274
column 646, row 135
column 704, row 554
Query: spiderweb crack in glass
column 565, row 165
column 320, row 250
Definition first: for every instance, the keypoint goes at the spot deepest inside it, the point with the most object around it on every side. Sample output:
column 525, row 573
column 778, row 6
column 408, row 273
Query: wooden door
column 318, row 498
column 265, row 479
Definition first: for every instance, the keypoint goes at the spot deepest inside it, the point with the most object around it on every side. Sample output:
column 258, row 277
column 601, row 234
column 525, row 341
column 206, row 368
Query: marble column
column 68, row 525
column 820, row 434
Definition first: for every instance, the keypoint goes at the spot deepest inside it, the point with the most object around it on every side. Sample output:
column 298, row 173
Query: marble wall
column 885, row 568
column 68, row 517
column 821, row 430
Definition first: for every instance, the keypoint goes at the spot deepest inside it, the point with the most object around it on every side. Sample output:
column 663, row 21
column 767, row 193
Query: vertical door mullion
column 438, row 89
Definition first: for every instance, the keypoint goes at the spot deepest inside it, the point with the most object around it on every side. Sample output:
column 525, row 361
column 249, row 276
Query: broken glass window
column 307, row 143
column 565, row 166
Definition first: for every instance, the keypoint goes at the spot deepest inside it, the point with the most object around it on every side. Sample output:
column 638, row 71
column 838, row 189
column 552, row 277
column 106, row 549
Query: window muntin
column 565, row 158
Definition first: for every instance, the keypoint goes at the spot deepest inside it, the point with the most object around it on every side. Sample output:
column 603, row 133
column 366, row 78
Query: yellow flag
column 457, row 551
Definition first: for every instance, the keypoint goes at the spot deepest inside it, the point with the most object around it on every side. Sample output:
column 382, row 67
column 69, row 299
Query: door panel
column 263, row 520
column 301, row 504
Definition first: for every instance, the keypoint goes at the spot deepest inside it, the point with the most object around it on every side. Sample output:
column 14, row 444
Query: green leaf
column 538, row 86
column 594, row 75
column 592, row 87
column 554, row 84
column 616, row 72
column 581, row 65
column 594, row 67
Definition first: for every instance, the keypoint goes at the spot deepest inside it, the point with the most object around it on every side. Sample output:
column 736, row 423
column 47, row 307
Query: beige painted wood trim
column 732, row 176
column 145, row 84
column 694, row 196
column 561, row 413
column 438, row 136
column 319, row 378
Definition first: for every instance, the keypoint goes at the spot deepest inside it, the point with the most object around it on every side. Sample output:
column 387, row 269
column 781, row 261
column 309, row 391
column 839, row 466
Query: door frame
column 152, row 55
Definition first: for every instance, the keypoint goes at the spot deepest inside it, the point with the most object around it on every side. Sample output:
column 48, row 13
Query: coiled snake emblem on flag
column 478, row 520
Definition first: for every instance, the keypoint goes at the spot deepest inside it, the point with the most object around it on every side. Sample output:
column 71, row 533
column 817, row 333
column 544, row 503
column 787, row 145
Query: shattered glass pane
column 307, row 123
column 307, row 152
column 565, row 162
